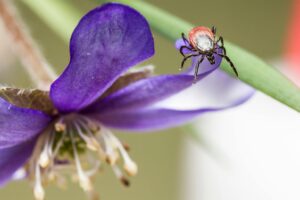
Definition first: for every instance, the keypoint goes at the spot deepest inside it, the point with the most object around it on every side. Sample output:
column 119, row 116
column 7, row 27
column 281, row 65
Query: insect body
column 202, row 43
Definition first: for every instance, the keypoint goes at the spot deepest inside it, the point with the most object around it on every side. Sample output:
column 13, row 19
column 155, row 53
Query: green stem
column 252, row 70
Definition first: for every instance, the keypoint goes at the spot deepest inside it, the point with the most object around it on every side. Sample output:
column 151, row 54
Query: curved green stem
column 252, row 70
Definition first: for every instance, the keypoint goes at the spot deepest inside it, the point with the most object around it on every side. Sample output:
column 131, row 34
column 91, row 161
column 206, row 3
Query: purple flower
column 42, row 132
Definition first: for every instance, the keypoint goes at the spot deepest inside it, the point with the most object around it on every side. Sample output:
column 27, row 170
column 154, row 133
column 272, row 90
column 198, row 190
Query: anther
column 120, row 176
column 126, row 147
column 130, row 168
column 44, row 159
column 60, row 127
column 92, row 144
column 112, row 158
column 93, row 127
column 125, row 181
column 39, row 192
column 85, row 182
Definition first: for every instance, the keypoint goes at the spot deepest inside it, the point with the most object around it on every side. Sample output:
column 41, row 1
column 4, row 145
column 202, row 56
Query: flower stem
column 33, row 61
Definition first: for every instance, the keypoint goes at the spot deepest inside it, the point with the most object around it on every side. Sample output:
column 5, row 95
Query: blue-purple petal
column 214, row 93
column 18, row 125
column 149, row 91
column 12, row 158
column 157, row 118
column 107, row 41
column 146, row 92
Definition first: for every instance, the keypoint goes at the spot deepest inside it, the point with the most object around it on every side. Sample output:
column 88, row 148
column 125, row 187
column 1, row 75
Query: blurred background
column 225, row 160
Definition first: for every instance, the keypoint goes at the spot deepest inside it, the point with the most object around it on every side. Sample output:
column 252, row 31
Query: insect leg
column 214, row 30
column 197, row 67
column 185, row 59
column 211, row 59
column 221, row 40
column 230, row 63
column 184, row 47
column 184, row 39
column 221, row 46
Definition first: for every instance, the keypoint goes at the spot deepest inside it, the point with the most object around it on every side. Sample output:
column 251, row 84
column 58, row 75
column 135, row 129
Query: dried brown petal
column 28, row 98
column 129, row 78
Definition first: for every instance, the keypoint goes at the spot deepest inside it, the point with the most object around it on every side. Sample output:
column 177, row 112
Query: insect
column 203, row 43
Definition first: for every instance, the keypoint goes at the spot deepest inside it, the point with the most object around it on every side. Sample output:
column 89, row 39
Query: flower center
column 76, row 140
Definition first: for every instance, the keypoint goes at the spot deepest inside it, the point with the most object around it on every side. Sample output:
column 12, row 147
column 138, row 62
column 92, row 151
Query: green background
column 259, row 26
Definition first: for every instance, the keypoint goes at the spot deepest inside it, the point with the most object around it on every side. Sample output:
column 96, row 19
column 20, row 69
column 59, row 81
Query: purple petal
column 12, row 158
column 145, row 92
column 214, row 93
column 216, row 90
column 18, row 125
column 107, row 41
column 142, row 93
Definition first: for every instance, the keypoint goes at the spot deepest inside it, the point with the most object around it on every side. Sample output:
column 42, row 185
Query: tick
column 203, row 43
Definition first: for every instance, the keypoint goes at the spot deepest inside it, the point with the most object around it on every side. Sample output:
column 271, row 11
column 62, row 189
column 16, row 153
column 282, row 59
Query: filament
column 84, row 180
column 39, row 192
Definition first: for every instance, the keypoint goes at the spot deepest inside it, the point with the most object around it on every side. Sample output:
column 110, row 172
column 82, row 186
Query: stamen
column 44, row 159
column 94, row 140
column 60, row 126
column 94, row 170
column 120, row 176
column 51, row 142
column 112, row 156
column 130, row 168
column 129, row 165
column 60, row 142
column 84, row 180
column 83, row 134
column 91, row 143
column 111, row 144
column 39, row 192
